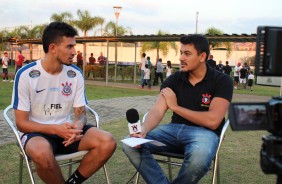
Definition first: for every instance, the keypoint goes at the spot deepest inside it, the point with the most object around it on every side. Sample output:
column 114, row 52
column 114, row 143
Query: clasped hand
column 70, row 133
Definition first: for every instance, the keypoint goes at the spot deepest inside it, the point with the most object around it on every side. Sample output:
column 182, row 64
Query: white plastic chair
column 215, row 165
column 63, row 159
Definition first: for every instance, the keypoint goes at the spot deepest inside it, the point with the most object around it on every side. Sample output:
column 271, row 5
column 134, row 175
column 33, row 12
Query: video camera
column 264, row 115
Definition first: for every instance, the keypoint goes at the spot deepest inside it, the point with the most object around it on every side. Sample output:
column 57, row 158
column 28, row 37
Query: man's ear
column 203, row 56
column 52, row 48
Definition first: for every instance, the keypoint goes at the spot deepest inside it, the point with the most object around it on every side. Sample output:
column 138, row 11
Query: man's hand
column 69, row 132
column 170, row 98
column 140, row 135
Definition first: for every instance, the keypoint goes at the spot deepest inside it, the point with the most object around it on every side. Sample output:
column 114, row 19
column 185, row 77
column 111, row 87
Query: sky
column 146, row 17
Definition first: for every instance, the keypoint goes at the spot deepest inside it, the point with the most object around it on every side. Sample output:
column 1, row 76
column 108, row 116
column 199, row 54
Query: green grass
column 239, row 154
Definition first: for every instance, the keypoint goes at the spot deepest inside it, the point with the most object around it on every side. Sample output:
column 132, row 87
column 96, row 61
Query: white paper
column 134, row 141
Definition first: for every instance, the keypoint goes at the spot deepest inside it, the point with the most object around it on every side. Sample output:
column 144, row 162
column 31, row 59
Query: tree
column 31, row 33
column 162, row 47
column 61, row 17
column 215, row 45
column 110, row 29
column 85, row 23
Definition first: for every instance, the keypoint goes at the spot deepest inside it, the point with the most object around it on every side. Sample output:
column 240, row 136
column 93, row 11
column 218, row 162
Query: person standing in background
column 168, row 69
column 211, row 62
column 79, row 60
column 251, row 80
column 146, row 80
column 227, row 69
column 142, row 68
column 219, row 67
column 92, row 61
column 5, row 61
column 159, row 72
column 102, row 59
column 19, row 62
column 236, row 75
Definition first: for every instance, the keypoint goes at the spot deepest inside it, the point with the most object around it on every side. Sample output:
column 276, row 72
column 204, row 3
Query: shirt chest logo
column 66, row 89
column 206, row 100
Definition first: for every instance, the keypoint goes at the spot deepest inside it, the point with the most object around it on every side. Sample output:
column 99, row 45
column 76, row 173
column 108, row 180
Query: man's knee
column 109, row 142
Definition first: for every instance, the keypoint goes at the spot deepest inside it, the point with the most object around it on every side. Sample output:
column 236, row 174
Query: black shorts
column 5, row 70
column 55, row 141
column 250, row 82
column 236, row 78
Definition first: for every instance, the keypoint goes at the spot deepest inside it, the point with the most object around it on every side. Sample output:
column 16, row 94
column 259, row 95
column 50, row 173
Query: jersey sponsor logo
column 38, row 91
column 54, row 89
column 66, row 89
column 206, row 100
column 71, row 74
column 34, row 73
column 51, row 109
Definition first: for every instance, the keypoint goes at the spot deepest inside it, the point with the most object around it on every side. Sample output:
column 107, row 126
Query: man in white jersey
column 44, row 93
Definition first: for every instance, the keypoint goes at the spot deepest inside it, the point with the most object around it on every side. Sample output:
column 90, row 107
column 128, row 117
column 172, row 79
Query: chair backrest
column 224, row 128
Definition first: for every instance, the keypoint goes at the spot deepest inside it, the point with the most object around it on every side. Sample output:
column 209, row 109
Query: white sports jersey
column 48, row 98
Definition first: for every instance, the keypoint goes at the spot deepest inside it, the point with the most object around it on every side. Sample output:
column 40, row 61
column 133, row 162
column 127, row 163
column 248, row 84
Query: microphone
column 132, row 117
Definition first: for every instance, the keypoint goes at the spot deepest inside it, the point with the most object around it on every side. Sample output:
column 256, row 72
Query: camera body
column 264, row 115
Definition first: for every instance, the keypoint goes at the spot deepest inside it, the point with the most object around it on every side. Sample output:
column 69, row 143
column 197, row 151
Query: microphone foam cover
column 132, row 116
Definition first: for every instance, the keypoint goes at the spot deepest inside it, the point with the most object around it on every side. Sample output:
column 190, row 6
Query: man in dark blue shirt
column 199, row 101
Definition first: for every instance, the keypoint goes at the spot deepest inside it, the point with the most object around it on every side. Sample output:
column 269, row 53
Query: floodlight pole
column 197, row 13
column 117, row 10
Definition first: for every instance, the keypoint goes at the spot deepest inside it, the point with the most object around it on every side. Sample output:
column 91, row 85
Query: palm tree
column 85, row 23
column 214, row 45
column 31, row 33
column 110, row 29
column 162, row 47
column 61, row 17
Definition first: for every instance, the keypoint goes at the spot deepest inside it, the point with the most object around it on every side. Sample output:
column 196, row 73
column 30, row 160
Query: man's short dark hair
column 54, row 32
column 199, row 41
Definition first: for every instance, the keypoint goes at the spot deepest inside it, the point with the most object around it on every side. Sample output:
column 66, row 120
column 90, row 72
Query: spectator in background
column 211, row 62
column 243, row 76
column 149, row 62
column 159, row 72
column 220, row 66
column 92, row 61
column 146, row 80
column 102, row 59
column 79, row 60
column 248, row 69
column 168, row 69
column 19, row 62
column 227, row 69
column 251, row 80
column 5, row 61
column 142, row 68
column 236, row 74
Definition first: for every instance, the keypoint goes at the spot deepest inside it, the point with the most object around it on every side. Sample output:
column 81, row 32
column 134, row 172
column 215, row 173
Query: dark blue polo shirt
column 198, row 97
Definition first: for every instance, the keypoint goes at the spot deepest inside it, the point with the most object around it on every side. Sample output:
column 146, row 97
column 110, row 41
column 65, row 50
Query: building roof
column 146, row 38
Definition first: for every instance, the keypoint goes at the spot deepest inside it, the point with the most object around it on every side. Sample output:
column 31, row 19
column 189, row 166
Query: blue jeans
column 198, row 145
column 142, row 77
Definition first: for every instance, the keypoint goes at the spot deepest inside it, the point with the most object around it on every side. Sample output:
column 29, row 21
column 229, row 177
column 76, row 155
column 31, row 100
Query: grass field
column 239, row 154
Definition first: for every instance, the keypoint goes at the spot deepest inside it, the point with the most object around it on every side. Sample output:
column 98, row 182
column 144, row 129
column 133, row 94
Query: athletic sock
column 76, row 178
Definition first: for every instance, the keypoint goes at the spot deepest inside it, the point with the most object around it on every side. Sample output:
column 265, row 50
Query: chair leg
column 137, row 177
column 215, row 178
column 21, row 169
column 70, row 168
column 106, row 174
column 169, row 169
